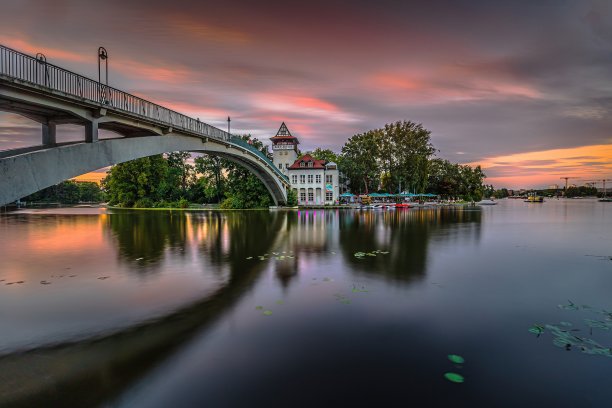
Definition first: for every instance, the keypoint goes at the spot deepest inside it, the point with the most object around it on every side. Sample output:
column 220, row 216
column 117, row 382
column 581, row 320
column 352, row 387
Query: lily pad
column 570, row 306
column 258, row 307
column 267, row 312
column 279, row 302
column 536, row 329
column 454, row 377
column 456, row 359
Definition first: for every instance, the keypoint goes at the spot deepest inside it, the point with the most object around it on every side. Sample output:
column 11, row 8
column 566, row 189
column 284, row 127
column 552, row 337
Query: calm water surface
column 272, row 309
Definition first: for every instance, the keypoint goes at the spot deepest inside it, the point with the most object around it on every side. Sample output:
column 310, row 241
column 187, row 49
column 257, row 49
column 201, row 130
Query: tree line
column 396, row 158
column 400, row 158
column 174, row 181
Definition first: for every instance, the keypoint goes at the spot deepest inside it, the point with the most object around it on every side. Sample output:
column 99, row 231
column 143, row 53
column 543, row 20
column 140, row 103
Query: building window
column 302, row 195
column 310, row 164
column 310, row 178
column 310, row 195
column 302, row 179
column 302, row 164
column 294, row 179
column 318, row 178
column 329, row 196
column 286, row 165
column 328, row 178
column 280, row 166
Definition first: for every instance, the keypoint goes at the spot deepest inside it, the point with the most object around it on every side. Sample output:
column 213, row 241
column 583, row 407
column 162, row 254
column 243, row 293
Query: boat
column 487, row 202
column 402, row 205
column 605, row 200
column 534, row 199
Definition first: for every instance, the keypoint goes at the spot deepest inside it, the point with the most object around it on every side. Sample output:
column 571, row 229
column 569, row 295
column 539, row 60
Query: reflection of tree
column 404, row 233
column 115, row 362
column 147, row 234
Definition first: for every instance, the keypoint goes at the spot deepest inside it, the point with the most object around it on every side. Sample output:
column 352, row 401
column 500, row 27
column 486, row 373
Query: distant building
column 316, row 182
column 553, row 187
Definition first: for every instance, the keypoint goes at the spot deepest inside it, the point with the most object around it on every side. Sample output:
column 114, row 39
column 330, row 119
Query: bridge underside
column 28, row 172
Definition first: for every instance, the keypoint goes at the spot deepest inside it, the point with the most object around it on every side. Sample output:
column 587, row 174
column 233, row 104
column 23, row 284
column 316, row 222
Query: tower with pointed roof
column 284, row 148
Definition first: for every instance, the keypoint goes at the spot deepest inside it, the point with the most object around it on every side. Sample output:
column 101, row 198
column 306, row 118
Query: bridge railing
column 38, row 72
column 243, row 143
column 33, row 71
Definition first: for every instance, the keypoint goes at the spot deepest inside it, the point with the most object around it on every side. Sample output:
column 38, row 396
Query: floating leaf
column 570, row 306
column 258, row 307
column 279, row 302
column 267, row 312
column 536, row 329
column 454, row 377
column 456, row 358
column 597, row 324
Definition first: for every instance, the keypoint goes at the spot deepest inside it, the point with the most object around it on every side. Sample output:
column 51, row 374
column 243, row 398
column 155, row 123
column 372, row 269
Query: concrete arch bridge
column 51, row 95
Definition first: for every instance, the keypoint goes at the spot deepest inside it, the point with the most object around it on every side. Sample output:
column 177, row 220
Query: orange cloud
column 541, row 168
column 443, row 84
column 52, row 54
column 302, row 105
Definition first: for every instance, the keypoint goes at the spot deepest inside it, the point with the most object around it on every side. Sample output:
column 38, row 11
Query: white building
column 316, row 182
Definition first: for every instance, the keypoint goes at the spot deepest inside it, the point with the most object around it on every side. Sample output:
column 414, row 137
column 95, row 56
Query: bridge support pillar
column 48, row 133
column 91, row 131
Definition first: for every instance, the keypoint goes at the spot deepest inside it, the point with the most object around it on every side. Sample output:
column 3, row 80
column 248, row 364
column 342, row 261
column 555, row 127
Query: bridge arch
column 28, row 172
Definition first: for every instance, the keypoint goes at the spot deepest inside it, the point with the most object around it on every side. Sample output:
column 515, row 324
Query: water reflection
column 204, row 246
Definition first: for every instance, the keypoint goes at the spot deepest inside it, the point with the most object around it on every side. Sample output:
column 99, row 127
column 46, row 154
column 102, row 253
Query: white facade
column 315, row 186
column 315, row 181
column 284, row 155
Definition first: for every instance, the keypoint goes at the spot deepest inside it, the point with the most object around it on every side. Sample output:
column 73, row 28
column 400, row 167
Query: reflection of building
column 315, row 181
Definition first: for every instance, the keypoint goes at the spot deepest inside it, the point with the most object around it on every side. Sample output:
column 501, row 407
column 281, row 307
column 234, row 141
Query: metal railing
column 31, row 71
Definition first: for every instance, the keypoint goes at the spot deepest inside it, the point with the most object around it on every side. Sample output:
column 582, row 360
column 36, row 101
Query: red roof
column 316, row 164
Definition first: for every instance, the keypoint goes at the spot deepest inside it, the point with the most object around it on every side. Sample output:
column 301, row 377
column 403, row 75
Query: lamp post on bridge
column 102, row 56
column 228, row 126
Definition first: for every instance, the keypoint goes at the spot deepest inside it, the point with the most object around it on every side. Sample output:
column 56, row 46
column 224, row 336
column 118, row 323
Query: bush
column 143, row 203
column 182, row 203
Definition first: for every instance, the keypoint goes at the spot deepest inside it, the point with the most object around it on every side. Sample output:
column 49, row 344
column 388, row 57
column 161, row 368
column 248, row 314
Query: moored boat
column 487, row 202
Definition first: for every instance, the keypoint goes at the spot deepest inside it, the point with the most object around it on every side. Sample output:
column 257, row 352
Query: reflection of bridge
column 52, row 96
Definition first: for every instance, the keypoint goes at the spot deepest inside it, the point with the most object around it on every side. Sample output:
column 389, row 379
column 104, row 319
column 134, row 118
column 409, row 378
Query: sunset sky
column 523, row 88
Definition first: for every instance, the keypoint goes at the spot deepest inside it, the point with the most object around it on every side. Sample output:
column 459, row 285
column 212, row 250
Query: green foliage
column 453, row 180
column 132, row 181
column 502, row 193
column 582, row 191
column 326, row 154
column 68, row 192
column 395, row 155
column 292, row 198
column 213, row 179
column 359, row 161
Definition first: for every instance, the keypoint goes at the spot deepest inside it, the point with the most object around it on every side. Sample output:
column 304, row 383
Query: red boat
column 402, row 205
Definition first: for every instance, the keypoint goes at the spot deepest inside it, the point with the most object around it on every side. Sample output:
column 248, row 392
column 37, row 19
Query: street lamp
column 42, row 59
column 102, row 56
column 228, row 126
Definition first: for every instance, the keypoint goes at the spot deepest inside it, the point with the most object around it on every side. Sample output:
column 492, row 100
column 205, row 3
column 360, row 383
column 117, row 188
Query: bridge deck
column 37, row 75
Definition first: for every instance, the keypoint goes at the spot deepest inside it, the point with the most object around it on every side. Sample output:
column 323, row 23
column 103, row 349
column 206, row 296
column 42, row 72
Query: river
column 309, row 308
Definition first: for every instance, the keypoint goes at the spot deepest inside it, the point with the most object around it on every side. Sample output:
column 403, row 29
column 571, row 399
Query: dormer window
column 302, row 164
column 310, row 164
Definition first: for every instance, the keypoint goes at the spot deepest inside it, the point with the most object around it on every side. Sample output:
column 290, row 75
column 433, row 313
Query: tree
column 243, row 188
column 359, row 161
column 326, row 154
column 211, row 168
column 140, row 179
column 180, row 175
